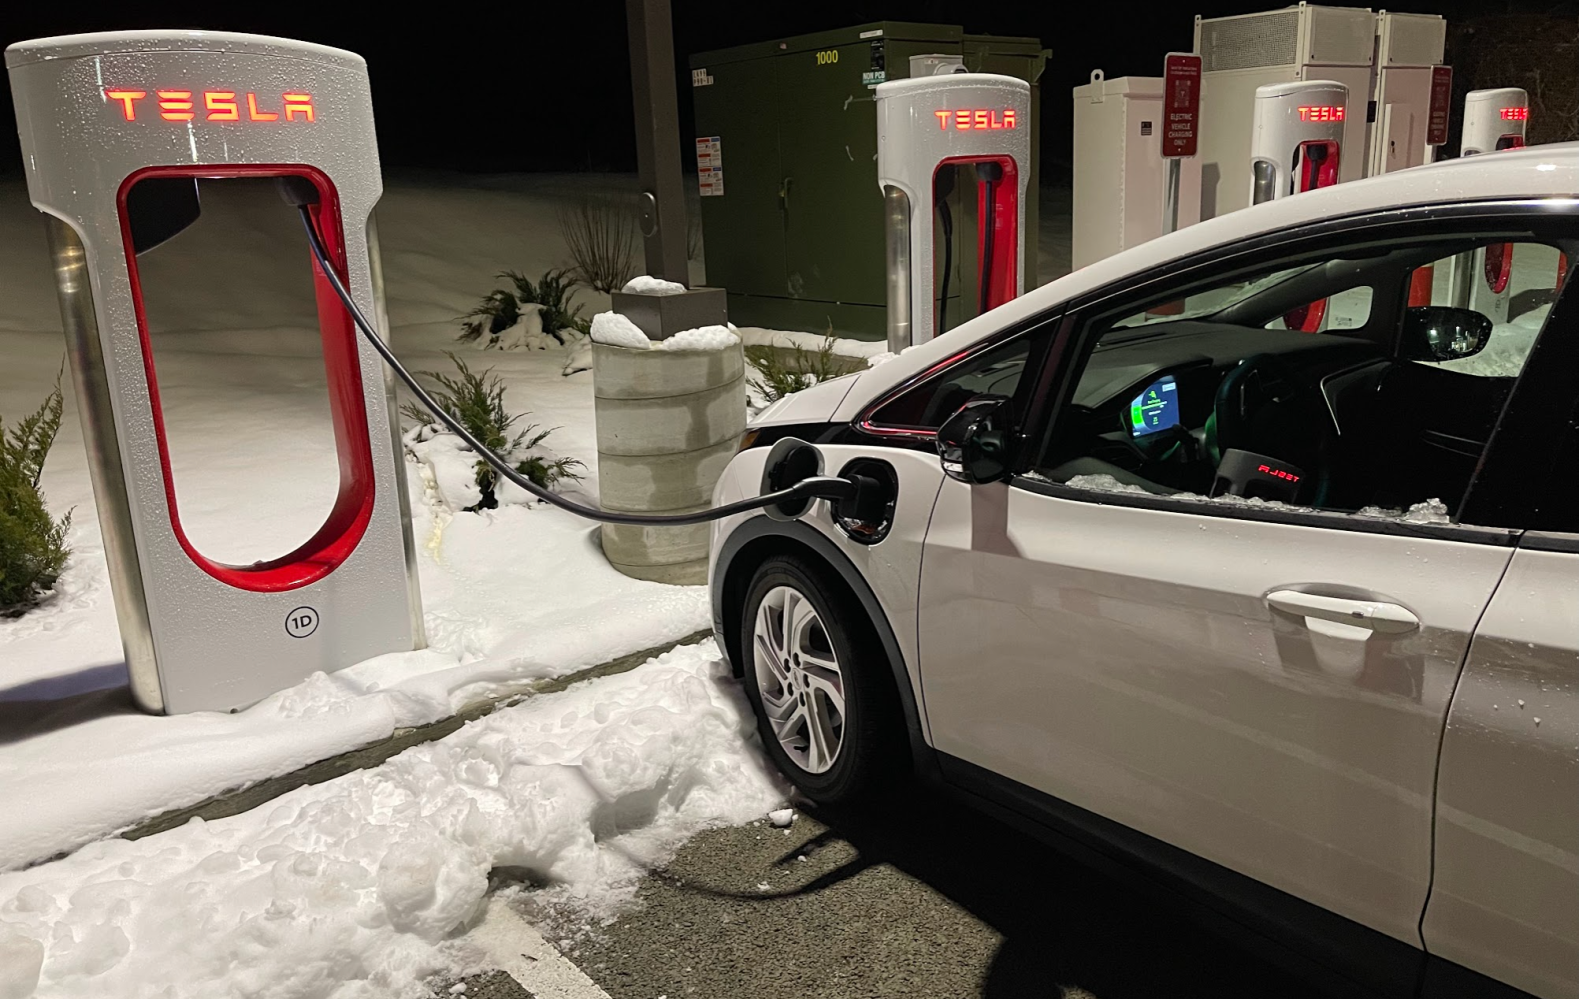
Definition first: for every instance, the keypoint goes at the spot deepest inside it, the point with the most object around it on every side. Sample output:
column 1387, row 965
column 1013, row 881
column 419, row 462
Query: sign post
column 1181, row 115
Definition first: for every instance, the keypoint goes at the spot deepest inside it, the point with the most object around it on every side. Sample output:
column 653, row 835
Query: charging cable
column 300, row 193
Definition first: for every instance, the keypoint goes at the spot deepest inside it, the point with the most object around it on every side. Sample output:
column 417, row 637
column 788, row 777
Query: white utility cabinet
column 1408, row 48
column 1119, row 169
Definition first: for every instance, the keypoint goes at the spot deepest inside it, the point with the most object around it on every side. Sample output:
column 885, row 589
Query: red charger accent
column 1005, row 278
column 347, row 522
column 1420, row 281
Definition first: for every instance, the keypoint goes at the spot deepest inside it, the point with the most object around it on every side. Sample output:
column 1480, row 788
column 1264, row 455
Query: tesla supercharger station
column 936, row 136
column 1296, row 145
column 117, row 131
column 1493, row 120
column 1296, row 140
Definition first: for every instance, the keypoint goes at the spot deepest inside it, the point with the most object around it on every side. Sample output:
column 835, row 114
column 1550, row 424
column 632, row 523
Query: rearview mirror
column 1441, row 333
column 974, row 443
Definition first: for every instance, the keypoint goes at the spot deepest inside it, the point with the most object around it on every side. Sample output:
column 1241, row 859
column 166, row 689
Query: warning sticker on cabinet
column 710, row 166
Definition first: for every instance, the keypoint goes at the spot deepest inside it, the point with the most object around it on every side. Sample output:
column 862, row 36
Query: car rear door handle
column 1376, row 615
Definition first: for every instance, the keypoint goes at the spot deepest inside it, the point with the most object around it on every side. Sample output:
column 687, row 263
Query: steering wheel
column 1264, row 406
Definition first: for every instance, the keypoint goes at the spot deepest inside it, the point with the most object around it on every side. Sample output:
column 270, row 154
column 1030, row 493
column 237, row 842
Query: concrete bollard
column 668, row 421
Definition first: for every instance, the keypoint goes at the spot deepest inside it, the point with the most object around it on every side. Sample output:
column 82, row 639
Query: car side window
column 1339, row 383
column 1512, row 284
column 994, row 371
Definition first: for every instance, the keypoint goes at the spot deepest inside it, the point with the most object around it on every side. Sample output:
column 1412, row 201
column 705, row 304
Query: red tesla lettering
column 253, row 114
column 1321, row 112
column 1515, row 114
column 970, row 119
column 126, row 97
column 221, row 105
column 298, row 104
column 175, row 105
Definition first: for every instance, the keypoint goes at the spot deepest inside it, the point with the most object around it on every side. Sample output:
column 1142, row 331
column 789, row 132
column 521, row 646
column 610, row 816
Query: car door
column 1505, row 892
column 1261, row 683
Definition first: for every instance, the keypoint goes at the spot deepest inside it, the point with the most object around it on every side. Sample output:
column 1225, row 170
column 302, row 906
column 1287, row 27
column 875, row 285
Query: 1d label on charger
column 301, row 622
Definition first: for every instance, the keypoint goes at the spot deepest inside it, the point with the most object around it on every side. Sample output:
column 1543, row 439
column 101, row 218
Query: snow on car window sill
column 1431, row 511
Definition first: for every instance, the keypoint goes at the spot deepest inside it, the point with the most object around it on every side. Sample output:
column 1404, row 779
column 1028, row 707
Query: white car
column 1252, row 552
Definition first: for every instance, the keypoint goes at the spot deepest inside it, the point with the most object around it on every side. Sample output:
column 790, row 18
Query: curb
column 242, row 799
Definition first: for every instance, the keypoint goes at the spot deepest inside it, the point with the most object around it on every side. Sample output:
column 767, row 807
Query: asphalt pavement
column 930, row 898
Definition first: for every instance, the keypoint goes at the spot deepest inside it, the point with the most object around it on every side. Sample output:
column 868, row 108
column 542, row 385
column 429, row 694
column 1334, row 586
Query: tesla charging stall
column 1296, row 145
column 1296, row 141
column 120, row 134
column 945, row 144
column 1493, row 120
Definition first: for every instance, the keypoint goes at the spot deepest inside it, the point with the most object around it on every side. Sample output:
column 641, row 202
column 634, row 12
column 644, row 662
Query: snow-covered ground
column 367, row 884
column 510, row 595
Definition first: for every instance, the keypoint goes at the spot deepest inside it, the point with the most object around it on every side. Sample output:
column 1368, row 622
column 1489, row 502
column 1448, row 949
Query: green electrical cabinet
column 786, row 146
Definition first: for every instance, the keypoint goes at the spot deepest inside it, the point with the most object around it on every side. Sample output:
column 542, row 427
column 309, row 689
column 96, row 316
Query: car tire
column 826, row 707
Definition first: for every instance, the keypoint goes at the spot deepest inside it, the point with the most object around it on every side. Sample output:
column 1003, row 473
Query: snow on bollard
column 669, row 418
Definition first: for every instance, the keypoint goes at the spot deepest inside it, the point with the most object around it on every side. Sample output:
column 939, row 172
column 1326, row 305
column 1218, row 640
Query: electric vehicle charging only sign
column 1181, row 104
column 1441, row 105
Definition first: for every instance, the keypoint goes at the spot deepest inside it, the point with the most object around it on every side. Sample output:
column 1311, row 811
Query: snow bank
column 756, row 336
column 702, row 338
column 615, row 330
column 357, row 887
column 646, row 285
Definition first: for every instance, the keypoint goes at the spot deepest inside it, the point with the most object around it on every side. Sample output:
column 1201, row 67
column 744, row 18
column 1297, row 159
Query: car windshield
column 1211, row 301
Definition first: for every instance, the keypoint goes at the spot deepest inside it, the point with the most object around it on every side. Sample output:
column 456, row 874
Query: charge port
column 866, row 516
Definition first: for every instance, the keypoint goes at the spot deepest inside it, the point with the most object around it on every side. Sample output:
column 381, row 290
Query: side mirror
column 1440, row 333
column 974, row 443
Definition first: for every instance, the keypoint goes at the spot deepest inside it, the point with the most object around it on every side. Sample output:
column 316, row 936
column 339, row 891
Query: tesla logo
column 977, row 119
column 1515, row 114
column 1277, row 473
column 213, row 105
column 1321, row 112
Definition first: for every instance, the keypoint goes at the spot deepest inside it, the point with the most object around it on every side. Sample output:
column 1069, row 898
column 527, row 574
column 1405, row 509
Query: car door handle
column 1377, row 615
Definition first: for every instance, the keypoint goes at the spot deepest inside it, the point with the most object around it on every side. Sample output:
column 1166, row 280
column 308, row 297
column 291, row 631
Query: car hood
column 814, row 405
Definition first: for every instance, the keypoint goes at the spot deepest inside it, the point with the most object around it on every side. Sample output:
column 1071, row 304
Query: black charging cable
column 303, row 195
column 991, row 175
column 942, row 188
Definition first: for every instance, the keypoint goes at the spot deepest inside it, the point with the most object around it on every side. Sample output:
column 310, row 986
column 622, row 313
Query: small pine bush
column 476, row 401
column 777, row 378
column 32, row 544
column 502, row 308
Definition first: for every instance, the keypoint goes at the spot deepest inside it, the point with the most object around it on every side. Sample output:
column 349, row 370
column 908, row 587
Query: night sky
column 546, row 86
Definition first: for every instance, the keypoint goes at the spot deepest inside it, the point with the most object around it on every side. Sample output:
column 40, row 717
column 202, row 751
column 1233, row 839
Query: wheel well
column 738, row 577
column 732, row 598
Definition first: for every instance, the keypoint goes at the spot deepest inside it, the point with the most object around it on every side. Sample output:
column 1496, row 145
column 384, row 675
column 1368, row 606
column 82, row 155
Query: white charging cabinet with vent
column 1241, row 53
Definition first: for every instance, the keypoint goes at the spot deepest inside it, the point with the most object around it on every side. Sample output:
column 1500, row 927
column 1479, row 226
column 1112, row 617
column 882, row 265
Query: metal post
column 651, row 31
column 1170, row 197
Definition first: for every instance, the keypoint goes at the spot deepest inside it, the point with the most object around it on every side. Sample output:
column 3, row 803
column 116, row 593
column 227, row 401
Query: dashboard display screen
column 1155, row 409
